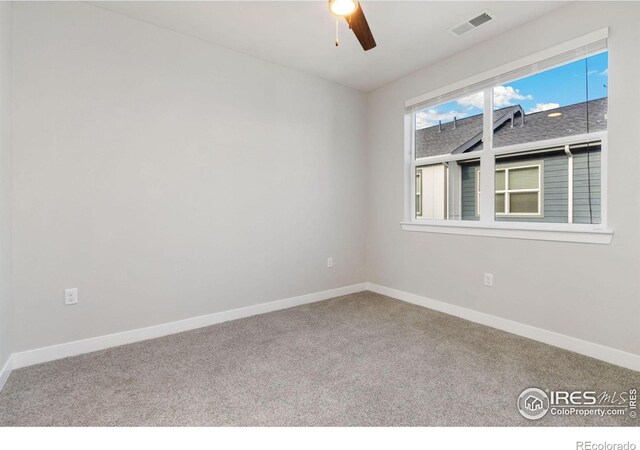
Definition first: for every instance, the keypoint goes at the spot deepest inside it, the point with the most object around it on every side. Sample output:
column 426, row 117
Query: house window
column 419, row 193
column 518, row 190
column 534, row 135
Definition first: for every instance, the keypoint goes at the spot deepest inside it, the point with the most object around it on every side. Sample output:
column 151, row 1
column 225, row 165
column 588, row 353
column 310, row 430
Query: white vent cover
column 472, row 23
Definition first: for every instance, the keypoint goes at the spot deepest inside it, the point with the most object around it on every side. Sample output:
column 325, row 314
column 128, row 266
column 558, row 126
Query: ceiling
column 300, row 34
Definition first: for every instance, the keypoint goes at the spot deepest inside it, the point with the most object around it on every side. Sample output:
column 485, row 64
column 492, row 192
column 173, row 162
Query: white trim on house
column 550, row 144
column 567, row 150
column 66, row 349
column 591, row 349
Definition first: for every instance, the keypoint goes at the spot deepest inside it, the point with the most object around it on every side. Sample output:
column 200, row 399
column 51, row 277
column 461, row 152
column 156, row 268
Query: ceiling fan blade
column 361, row 29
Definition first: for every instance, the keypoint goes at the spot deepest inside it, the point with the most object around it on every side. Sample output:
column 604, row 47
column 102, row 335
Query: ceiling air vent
column 472, row 23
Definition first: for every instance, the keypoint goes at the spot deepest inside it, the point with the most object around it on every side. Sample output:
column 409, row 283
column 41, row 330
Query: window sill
column 538, row 232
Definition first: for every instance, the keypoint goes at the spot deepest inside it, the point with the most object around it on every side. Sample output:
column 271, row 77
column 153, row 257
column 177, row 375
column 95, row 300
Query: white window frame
column 487, row 225
column 507, row 168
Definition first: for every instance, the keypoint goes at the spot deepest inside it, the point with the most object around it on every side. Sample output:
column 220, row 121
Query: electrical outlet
column 71, row 296
column 488, row 279
column 329, row 262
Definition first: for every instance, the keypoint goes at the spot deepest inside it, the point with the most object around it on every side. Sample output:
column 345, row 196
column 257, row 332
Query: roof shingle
column 467, row 133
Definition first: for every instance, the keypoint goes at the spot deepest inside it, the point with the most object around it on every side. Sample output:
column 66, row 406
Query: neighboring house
column 557, row 184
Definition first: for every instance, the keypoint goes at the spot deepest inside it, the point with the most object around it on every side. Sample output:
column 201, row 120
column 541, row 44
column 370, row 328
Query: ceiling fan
column 351, row 10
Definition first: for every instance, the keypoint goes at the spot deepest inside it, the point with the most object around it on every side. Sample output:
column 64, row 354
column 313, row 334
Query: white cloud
column 543, row 107
column 502, row 96
column 430, row 117
column 505, row 96
column 472, row 101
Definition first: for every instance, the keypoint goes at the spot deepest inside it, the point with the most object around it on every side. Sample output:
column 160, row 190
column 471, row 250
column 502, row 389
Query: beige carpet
column 362, row 359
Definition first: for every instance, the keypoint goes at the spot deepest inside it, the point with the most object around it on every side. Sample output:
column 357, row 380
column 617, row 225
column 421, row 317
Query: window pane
column 526, row 178
column 500, row 186
column 523, row 202
column 499, row 203
column 563, row 101
column 450, row 128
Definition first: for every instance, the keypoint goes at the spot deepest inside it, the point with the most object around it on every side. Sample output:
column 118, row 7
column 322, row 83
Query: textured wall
column 168, row 178
column 582, row 290
column 6, row 101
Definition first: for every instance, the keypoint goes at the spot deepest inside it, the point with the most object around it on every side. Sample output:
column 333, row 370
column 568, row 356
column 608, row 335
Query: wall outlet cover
column 71, row 296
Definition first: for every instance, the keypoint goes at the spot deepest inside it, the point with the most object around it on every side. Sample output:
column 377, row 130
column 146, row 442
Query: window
column 535, row 136
column 440, row 133
column 518, row 190
column 419, row 193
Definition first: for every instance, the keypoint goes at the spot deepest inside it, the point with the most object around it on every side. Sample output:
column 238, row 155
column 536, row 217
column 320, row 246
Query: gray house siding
column 555, row 189
column 581, row 187
column 468, row 180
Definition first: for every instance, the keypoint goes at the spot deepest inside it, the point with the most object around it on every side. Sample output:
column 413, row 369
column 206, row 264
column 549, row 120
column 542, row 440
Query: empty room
column 321, row 214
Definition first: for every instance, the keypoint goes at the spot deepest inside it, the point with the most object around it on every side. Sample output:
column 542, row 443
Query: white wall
column 5, row 181
column 591, row 292
column 167, row 178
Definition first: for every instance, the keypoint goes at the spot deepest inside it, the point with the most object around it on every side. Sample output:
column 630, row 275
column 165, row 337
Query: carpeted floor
column 362, row 359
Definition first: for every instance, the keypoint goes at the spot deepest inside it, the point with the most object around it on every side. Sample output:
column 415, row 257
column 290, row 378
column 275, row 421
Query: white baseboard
column 6, row 371
column 44, row 354
column 597, row 351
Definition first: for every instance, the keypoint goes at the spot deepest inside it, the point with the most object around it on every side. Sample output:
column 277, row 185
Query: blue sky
column 564, row 85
